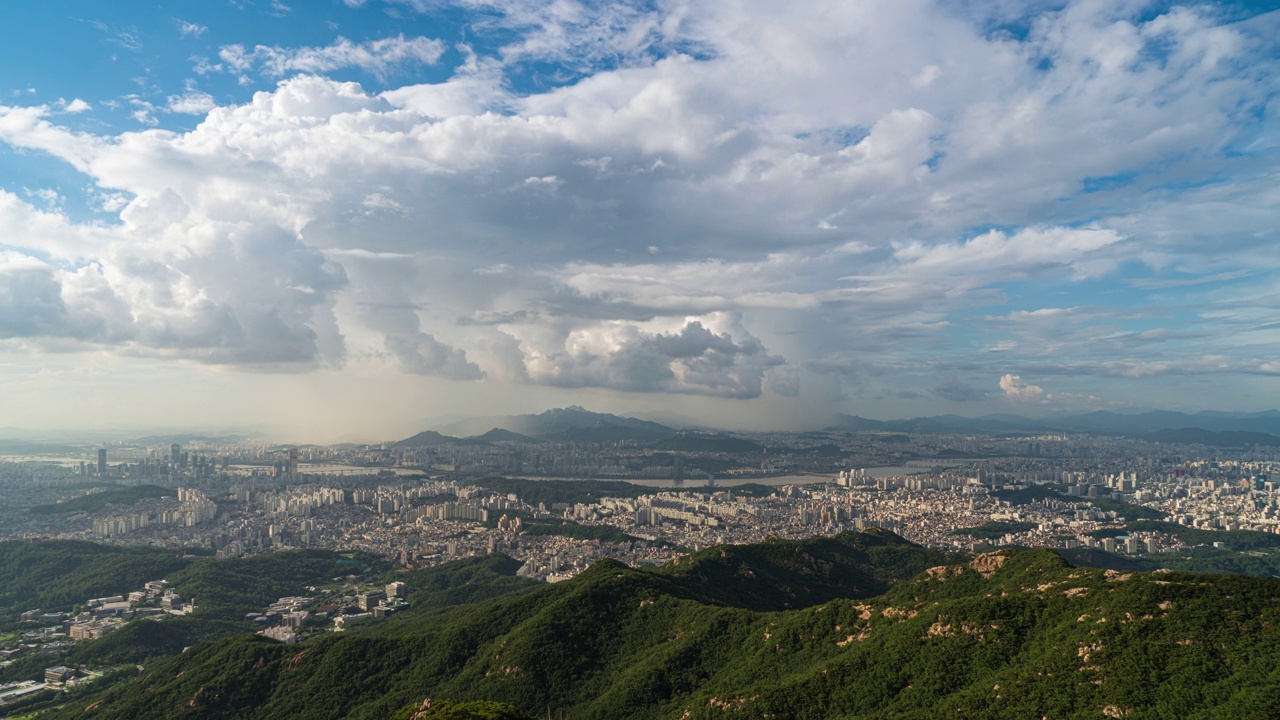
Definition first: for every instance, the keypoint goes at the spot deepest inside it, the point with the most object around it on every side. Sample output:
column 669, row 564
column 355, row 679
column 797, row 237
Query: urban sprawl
column 426, row 505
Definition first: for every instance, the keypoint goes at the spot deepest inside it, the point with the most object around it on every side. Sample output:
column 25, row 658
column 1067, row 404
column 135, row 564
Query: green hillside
column 1040, row 493
column 227, row 589
column 61, row 575
column 1126, row 510
column 94, row 502
column 1011, row 634
column 1198, row 560
column 1239, row 540
column 863, row 625
column 788, row 574
column 57, row 575
column 995, row 529
column 460, row 583
column 603, row 533
column 428, row 710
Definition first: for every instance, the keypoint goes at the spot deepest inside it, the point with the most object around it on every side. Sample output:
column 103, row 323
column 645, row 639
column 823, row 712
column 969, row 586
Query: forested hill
column 792, row 574
column 57, row 575
column 1009, row 634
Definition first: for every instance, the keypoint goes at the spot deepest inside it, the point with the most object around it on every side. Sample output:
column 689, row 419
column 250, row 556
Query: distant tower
column 175, row 454
column 293, row 461
column 102, row 462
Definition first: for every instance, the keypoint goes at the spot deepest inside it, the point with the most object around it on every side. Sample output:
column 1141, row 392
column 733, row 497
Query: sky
column 340, row 219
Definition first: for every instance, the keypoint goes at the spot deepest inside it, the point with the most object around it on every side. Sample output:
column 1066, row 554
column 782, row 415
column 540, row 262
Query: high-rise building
column 175, row 454
column 293, row 461
column 102, row 462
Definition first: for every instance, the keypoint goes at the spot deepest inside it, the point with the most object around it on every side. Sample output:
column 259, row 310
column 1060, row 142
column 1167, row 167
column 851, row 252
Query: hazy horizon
column 450, row 424
column 338, row 220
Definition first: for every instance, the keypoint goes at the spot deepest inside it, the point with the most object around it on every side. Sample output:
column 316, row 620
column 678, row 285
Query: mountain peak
column 573, row 423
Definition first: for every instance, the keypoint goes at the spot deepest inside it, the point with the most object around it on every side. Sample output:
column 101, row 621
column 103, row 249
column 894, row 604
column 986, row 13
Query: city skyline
column 344, row 219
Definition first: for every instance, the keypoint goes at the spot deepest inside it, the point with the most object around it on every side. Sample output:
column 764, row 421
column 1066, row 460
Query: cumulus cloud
column 1015, row 388
column 639, row 218
column 216, row 292
column 691, row 360
column 76, row 106
column 421, row 354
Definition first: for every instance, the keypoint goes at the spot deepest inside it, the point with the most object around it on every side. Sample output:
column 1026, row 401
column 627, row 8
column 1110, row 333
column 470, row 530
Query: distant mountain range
column 1226, row 438
column 936, row 424
column 575, row 423
column 1209, row 428
column 559, row 424
column 428, row 438
column 500, row 435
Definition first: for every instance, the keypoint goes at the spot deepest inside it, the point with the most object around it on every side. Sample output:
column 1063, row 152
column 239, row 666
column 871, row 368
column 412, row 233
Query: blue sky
column 342, row 218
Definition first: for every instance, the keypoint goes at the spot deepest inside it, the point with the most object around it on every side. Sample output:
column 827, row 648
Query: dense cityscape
column 632, row 492
column 302, row 305
column 422, row 506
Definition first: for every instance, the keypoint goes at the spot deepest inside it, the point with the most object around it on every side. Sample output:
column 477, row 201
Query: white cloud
column 571, row 31
column 379, row 202
column 1013, row 256
column 50, row 197
column 376, row 56
column 191, row 102
column 112, row 202
column 165, row 284
column 143, row 110
column 743, row 198
column 77, row 106
column 190, row 29
column 125, row 37
column 1015, row 388
column 29, row 129
column 692, row 359
column 478, row 86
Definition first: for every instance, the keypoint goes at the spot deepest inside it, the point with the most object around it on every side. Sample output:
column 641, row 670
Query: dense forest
column 1040, row 493
column 864, row 625
column 995, row 529
column 61, row 576
column 93, row 502
column 56, row 576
